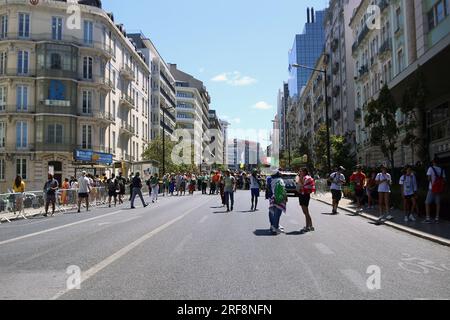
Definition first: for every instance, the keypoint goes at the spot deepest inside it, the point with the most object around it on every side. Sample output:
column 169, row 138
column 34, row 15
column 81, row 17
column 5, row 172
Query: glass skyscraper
column 306, row 50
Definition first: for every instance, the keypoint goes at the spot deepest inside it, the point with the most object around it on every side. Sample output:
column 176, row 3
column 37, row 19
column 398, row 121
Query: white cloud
column 234, row 79
column 262, row 105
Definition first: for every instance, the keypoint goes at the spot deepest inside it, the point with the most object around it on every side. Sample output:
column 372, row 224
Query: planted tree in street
column 381, row 122
column 413, row 106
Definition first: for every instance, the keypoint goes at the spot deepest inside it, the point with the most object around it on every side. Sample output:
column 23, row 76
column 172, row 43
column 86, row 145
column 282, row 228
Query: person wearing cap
column 358, row 178
column 84, row 188
column 136, row 185
column 337, row 180
column 384, row 182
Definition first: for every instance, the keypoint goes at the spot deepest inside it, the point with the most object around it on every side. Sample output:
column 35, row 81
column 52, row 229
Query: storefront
column 95, row 163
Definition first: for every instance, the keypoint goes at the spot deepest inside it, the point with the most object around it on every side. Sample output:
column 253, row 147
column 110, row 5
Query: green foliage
column 320, row 148
column 340, row 153
column 382, row 124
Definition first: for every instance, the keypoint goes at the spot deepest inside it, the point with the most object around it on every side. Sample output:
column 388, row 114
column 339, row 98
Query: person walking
column 255, row 188
column 358, row 179
column 136, row 185
column 278, row 202
column 84, row 189
column 50, row 188
column 229, row 190
column 18, row 189
column 121, row 182
column 222, row 190
column 154, row 184
column 113, row 187
column 408, row 184
column 384, row 182
column 436, row 178
column 337, row 180
column 305, row 186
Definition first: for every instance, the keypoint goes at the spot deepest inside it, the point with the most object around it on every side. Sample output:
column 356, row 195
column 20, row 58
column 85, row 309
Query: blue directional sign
column 93, row 157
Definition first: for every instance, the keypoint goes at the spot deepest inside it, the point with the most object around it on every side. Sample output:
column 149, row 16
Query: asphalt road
column 189, row 248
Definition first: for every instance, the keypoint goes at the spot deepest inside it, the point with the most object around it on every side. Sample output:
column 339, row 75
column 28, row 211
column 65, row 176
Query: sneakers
column 307, row 229
column 406, row 219
column 389, row 217
column 427, row 221
column 275, row 231
column 281, row 228
column 412, row 218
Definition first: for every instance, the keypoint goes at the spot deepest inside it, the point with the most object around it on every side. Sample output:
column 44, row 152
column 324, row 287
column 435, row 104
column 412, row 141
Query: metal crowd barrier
column 32, row 203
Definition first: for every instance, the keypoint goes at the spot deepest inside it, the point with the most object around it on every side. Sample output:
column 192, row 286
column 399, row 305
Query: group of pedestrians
column 378, row 186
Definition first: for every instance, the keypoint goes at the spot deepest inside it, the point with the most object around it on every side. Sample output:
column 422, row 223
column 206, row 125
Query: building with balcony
column 162, row 83
column 63, row 89
column 340, row 66
column 192, row 108
column 216, row 139
column 413, row 36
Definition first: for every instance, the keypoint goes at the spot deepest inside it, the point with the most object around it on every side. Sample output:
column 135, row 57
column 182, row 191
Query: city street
column 190, row 248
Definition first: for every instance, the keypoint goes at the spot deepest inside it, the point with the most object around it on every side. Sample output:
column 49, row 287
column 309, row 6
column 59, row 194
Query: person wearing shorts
column 408, row 183
column 359, row 180
column 50, row 188
column 337, row 179
column 305, row 186
column 432, row 197
column 254, row 190
column 84, row 189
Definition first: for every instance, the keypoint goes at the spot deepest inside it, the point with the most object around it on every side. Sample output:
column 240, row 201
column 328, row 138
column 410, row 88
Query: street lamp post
column 164, row 138
column 326, row 111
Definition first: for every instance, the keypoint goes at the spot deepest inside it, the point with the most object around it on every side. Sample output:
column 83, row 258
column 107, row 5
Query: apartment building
column 70, row 97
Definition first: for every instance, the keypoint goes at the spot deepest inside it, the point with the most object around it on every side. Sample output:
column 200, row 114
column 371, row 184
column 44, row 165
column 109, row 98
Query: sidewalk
column 439, row 233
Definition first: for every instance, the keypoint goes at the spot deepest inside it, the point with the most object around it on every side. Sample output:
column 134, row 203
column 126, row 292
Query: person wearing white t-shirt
column 408, row 183
column 433, row 198
column 337, row 180
column 384, row 181
column 84, row 188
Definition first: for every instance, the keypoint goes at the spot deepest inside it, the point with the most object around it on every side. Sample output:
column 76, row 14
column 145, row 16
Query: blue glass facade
column 306, row 50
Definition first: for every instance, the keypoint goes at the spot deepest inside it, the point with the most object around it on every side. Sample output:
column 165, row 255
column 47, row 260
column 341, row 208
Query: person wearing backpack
column 305, row 186
column 278, row 202
column 436, row 177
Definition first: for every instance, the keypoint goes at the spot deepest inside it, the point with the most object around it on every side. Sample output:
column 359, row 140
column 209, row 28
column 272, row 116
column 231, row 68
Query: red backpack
column 438, row 185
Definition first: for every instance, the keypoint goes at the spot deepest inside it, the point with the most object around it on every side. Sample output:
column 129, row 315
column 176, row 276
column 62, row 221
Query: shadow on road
column 295, row 233
column 263, row 233
column 220, row 212
column 329, row 214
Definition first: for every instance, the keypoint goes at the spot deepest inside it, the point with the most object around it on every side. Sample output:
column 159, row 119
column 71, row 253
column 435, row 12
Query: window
column 101, row 136
column 2, row 134
column 114, row 142
column 87, row 68
column 24, row 25
column 21, row 134
column 87, row 102
column 86, row 138
column 55, row 61
column 88, row 32
column 55, row 134
column 56, row 28
column 114, row 80
column 398, row 19
column 3, row 26
column 3, row 98
column 400, row 60
column 440, row 12
column 114, row 109
column 3, row 56
column 22, row 98
column 21, row 168
column 2, row 169
column 22, row 62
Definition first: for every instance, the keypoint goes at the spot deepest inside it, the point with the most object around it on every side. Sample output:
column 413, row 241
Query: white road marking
column 122, row 252
column 203, row 219
column 179, row 247
column 324, row 249
column 356, row 278
column 104, row 224
column 57, row 228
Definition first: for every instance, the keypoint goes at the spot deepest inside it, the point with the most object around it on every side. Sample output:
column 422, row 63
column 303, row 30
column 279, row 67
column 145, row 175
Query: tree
column 413, row 107
column 320, row 148
column 340, row 152
column 382, row 124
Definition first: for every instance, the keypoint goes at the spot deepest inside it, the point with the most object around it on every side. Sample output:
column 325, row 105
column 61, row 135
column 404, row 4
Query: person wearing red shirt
column 359, row 180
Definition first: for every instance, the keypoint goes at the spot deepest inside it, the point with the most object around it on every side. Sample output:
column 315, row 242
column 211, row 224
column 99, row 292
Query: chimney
column 309, row 20
column 313, row 18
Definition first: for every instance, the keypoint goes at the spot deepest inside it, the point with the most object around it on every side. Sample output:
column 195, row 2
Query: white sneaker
column 411, row 218
column 281, row 228
column 406, row 219
column 389, row 217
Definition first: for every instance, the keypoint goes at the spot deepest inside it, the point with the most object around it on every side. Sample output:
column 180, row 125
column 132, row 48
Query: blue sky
column 238, row 48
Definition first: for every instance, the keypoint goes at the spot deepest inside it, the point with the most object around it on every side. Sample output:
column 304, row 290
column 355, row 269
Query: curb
column 397, row 226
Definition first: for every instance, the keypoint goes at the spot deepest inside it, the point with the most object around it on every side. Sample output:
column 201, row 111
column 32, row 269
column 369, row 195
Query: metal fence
column 32, row 203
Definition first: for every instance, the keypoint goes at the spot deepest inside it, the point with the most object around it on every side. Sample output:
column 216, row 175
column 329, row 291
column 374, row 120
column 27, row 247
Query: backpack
column 438, row 185
column 280, row 193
